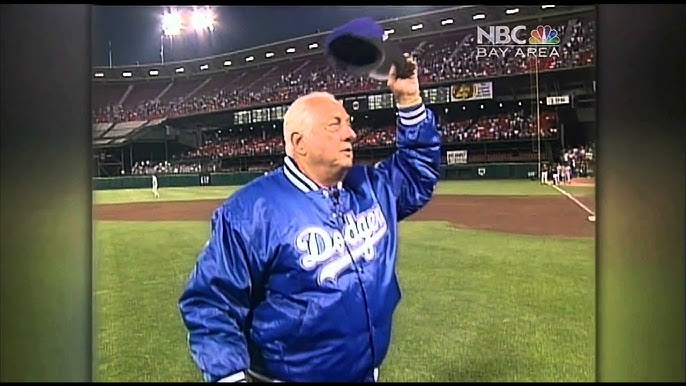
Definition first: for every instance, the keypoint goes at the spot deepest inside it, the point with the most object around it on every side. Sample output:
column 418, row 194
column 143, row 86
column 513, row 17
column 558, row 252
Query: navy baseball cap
column 358, row 47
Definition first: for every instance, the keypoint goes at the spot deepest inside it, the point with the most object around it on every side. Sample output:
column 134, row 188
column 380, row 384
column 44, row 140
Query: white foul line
column 584, row 207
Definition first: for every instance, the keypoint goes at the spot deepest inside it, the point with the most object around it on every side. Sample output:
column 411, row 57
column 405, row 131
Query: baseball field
column 498, row 281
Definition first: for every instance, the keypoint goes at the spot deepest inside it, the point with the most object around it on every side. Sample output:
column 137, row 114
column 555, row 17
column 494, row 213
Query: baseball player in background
column 298, row 282
column 544, row 174
column 556, row 174
column 155, row 193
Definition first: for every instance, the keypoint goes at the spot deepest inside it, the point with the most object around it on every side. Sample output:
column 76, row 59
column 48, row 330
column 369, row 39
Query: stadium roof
column 432, row 23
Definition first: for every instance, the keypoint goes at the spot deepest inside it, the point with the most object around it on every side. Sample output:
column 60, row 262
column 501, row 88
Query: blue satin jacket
column 297, row 282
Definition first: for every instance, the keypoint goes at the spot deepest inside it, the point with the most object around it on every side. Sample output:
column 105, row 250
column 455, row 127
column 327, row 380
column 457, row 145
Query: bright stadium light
column 447, row 21
column 313, row 46
column 202, row 19
column 204, row 67
column 512, row 11
column 479, row 16
column 268, row 54
column 178, row 21
column 290, row 50
column 250, row 58
column 126, row 74
column 154, row 72
column 547, row 6
column 417, row 26
column 99, row 75
column 172, row 23
column 227, row 63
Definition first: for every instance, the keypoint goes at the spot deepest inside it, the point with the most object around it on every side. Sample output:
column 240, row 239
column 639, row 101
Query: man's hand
column 406, row 90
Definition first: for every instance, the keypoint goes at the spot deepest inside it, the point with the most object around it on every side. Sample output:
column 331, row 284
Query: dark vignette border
column 640, row 188
column 46, row 205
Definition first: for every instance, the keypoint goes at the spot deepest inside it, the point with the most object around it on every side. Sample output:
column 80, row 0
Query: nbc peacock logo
column 544, row 35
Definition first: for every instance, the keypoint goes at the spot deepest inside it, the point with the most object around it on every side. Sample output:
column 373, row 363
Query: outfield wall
column 491, row 171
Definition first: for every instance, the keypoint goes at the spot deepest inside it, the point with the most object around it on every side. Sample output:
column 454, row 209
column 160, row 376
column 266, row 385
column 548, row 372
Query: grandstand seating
column 491, row 128
column 442, row 58
column 122, row 107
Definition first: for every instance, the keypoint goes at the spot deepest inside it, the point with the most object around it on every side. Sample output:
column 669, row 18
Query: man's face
column 329, row 143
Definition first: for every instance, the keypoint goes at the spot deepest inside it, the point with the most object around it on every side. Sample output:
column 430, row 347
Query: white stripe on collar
column 300, row 180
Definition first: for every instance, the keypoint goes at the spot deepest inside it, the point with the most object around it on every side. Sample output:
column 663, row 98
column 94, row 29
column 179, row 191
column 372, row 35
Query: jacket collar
column 300, row 180
column 297, row 177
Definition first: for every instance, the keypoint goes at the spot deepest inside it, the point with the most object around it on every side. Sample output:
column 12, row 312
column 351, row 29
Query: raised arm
column 412, row 172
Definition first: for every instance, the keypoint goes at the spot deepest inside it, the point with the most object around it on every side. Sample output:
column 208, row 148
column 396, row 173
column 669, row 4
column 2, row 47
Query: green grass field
column 488, row 307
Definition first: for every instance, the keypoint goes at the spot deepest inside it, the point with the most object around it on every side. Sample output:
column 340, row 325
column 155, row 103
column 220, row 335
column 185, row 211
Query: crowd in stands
column 579, row 159
column 505, row 126
column 166, row 167
column 447, row 58
column 492, row 128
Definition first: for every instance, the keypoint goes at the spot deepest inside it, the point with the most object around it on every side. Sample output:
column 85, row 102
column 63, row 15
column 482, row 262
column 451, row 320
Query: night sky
column 135, row 31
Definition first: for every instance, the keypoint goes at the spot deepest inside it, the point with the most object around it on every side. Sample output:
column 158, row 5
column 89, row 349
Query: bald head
column 318, row 135
column 299, row 116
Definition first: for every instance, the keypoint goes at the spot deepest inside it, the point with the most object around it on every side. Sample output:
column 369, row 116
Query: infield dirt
column 539, row 215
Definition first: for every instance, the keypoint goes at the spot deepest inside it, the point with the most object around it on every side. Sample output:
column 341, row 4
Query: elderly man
column 298, row 281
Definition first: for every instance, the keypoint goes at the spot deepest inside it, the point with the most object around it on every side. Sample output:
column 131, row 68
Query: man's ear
column 298, row 141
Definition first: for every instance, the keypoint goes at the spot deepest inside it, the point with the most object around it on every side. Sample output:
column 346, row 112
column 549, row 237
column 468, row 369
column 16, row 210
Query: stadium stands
column 123, row 107
column 494, row 128
column 442, row 58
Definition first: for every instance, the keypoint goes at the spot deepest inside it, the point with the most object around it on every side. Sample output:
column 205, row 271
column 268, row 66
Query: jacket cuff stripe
column 413, row 121
column 238, row 377
column 411, row 111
